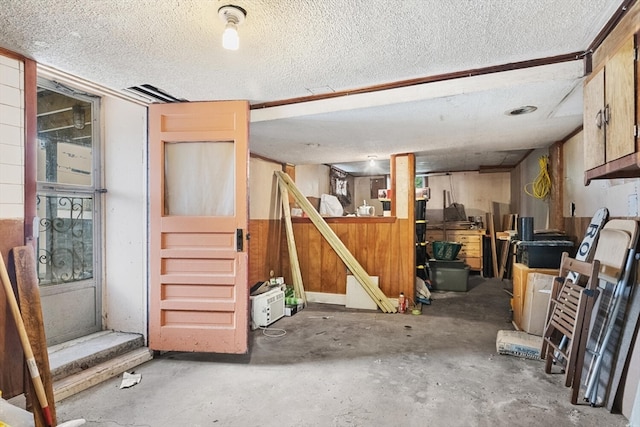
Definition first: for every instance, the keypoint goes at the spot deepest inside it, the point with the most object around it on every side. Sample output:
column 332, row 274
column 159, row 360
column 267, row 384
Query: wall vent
column 152, row 94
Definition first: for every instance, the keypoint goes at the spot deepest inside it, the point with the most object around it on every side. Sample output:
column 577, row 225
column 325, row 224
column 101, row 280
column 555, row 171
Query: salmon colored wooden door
column 198, row 157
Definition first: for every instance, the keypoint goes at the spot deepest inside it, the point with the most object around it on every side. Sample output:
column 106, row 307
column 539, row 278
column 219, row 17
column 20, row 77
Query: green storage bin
column 446, row 250
column 450, row 279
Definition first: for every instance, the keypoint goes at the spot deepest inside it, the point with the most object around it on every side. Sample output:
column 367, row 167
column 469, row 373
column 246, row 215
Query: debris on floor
column 519, row 343
column 423, row 294
column 130, row 379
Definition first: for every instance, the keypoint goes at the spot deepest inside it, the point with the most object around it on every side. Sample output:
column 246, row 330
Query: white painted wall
column 11, row 138
column 264, row 196
column 614, row 194
column 477, row 192
column 313, row 180
column 125, row 215
column 362, row 193
column 529, row 206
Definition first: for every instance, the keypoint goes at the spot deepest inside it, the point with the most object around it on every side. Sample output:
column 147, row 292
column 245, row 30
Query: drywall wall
column 11, row 138
column 125, row 216
column 313, row 180
column 620, row 196
column 264, row 200
column 477, row 192
column 362, row 194
column 527, row 205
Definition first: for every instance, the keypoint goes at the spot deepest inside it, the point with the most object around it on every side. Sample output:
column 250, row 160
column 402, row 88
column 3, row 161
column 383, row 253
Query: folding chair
column 569, row 316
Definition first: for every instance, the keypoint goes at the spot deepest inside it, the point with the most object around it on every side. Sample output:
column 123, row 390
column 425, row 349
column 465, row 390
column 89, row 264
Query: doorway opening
column 68, row 211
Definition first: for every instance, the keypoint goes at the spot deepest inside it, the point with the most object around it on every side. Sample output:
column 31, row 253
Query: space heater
column 266, row 308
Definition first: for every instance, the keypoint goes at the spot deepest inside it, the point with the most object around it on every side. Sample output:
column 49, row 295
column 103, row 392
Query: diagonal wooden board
column 494, row 252
column 298, row 285
column 31, row 311
column 334, row 241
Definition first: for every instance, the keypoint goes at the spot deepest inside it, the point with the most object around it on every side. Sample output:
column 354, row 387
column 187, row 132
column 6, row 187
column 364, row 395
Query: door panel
column 619, row 92
column 198, row 200
column 593, row 122
column 68, row 212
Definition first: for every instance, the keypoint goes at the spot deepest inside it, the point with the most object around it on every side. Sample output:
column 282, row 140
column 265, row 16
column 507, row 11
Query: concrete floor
column 337, row 367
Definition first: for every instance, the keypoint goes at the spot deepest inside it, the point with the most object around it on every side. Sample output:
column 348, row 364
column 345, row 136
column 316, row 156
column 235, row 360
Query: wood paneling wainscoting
column 265, row 249
column 385, row 247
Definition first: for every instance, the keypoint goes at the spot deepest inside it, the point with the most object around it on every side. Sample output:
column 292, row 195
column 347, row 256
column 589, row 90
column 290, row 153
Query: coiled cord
column 541, row 186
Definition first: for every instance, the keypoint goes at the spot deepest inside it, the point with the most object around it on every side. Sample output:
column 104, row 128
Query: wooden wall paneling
column 382, row 253
column 314, row 253
column 386, row 250
column 275, row 238
column 359, row 242
column 395, row 261
column 257, row 251
column 266, row 249
column 327, row 266
column 12, row 371
column 365, row 252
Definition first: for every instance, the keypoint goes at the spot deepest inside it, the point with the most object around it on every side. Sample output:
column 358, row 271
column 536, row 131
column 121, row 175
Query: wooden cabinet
column 520, row 279
column 610, row 117
column 471, row 240
column 471, row 251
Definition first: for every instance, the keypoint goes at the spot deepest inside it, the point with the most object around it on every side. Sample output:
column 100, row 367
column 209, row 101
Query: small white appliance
column 266, row 308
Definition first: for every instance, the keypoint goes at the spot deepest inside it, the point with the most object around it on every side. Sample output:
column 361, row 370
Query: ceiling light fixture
column 78, row 117
column 372, row 160
column 232, row 16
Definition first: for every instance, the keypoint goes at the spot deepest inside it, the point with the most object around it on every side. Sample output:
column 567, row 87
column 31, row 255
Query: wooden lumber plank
column 504, row 255
column 96, row 374
column 494, row 252
column 354, row 266
column 342, row 231
column 296, row 275
column 31, row 311
column 26, row 345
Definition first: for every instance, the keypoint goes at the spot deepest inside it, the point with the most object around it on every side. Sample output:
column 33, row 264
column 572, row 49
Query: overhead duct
column 153, row 94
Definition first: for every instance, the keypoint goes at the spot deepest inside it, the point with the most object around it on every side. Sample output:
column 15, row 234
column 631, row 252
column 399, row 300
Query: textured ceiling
column 294, row 48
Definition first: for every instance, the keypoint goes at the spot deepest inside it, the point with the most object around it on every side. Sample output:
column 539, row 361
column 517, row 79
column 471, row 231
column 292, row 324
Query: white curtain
column 200, row 179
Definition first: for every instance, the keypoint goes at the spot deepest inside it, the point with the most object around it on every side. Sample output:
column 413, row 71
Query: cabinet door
column 593, row 122
column 620, row 103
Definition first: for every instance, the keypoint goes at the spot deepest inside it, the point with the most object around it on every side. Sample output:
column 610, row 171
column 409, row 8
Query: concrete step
column 77, row 355
column 89, row 377
column 81, row 363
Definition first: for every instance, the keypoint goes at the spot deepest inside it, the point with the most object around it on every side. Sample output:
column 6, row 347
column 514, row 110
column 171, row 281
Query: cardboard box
column 357, row 297
column 536, row 303
column 519, row 343
column 290, row 310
